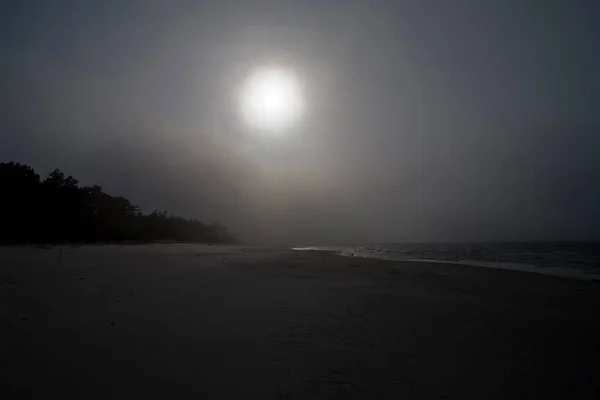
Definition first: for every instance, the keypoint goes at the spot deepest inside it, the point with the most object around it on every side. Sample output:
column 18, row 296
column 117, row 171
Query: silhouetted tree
column 57, row 210
column 19, row 191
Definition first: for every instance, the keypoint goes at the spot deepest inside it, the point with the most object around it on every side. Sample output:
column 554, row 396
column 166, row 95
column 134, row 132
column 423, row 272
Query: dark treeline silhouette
column 57, row 209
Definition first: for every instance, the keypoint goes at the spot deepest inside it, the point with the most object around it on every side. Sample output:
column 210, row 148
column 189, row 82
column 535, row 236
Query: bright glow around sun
column 271, row 99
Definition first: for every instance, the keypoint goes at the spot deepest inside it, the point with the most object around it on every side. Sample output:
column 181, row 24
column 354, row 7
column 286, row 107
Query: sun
column 271, row 99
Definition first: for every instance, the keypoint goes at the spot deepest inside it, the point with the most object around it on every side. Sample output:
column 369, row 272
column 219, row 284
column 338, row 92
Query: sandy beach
column 217, row 322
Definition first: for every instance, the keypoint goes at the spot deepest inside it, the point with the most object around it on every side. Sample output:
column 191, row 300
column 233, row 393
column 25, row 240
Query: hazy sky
column 425, row 120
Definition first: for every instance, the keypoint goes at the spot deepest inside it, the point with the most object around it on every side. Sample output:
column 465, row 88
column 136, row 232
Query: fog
column 423, row 122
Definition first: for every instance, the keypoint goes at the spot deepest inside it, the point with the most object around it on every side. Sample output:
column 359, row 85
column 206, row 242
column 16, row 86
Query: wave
column 557, row 259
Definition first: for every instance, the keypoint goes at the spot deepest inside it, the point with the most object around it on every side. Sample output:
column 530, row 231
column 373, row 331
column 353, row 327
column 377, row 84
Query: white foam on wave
column 552, row 271
column 586, row 275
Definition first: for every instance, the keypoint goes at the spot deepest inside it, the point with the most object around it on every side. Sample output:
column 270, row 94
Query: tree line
column 57, row 209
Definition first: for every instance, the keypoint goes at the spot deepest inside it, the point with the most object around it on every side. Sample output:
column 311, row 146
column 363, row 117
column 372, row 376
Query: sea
column 578, row 260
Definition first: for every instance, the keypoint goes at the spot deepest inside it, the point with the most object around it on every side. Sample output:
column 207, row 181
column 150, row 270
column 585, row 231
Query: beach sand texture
column 218, row 322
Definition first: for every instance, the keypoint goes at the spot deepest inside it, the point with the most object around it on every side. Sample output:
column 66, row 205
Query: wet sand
column 216, row 322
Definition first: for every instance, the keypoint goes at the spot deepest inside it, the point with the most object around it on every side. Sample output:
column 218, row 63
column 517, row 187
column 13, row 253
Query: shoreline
column 578, row 274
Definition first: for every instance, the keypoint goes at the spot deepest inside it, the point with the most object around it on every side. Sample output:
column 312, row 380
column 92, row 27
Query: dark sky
column 426, row 120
